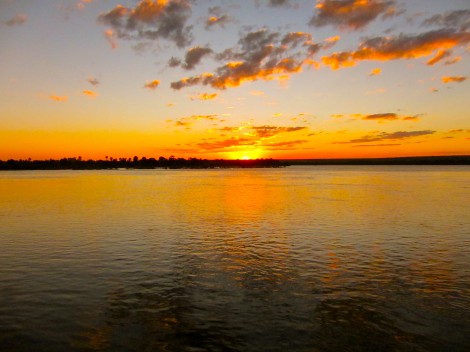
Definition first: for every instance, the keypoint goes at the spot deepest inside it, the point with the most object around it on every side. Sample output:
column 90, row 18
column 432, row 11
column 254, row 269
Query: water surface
column 336, row 258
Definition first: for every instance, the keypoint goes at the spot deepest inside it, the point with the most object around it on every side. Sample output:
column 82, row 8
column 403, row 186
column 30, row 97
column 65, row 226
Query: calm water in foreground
column 312, row 258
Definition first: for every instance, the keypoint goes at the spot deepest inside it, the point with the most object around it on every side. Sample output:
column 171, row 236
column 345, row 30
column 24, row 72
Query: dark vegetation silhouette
column 135, row 163
column 194, row 163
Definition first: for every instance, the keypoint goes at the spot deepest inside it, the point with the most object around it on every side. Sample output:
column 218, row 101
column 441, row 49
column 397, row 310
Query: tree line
column 77, row 163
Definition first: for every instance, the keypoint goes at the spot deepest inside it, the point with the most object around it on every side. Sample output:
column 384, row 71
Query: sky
column 288, row 79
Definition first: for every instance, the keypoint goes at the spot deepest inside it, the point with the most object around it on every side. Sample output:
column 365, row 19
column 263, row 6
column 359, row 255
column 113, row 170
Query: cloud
column 82, row 3
column 216, row 18
column 278, row 3
column 459, row 19
column 381, row 117
column 284, row 145
column 16, row 20
column 90, row 93
column 376, row 145
column 351, row 14
column 152, row 85
column 453, row 61
column 152, row 20
column 456, row 79
column 399, row 47
column 441, row 54
column 207, row 96
column 375, row 72
column 93, row 81
column 191, row 120
column 271, row 131
column 110, row 36
column 194, row 57
column 226, row 143
column 252, row 136
column 384, row 136
column 59, row 98
column 259, row 55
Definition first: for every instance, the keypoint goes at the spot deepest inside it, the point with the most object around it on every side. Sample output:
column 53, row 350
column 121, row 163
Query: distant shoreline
column 414, row 160
column 195, row 163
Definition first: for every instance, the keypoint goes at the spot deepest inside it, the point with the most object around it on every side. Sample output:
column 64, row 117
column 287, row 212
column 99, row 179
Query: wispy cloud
column 110, row 36
column 351, row 14
column 93, row 81
column 59, row 98
column 380, row 117
column 205, row 96
column 459, row 19
column 89, row 93
column 383, row 136
column 455, row 79
column 82, row 3
column 17, row 20
column 188, row 121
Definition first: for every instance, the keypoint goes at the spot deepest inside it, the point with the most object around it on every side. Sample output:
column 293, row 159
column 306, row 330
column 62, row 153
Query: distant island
column 195, row 163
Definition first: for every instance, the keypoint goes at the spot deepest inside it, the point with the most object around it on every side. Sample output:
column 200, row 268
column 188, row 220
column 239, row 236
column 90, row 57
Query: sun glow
column 248, row 154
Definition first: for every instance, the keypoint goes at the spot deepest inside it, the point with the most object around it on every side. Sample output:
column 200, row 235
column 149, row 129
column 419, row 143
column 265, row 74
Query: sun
column 246, row 157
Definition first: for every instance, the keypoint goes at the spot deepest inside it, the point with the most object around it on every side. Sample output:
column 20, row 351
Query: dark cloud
column 174, row 62
column 351, row 14
column 401, row 47
column 93, row 81
column 16, row 20
column 383, row 136
column 152, row 20
column 385, row 116
column 259, row 55
column 217, row 18
column 194, row 56
column 459, row 19
column 278, row 3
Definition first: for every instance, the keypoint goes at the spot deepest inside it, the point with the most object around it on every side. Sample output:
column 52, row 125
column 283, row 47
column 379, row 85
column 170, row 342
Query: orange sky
column 281, row 79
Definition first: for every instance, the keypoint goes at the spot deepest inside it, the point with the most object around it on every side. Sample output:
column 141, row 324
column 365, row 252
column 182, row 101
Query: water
column 348, row 258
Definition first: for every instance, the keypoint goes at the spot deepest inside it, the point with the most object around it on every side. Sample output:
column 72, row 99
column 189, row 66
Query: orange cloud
column 152, row 85
column 191, row 120
column 207, row 96
column 456, row 79
column 382, row 117
column 111, row 38
column 400, row 47
column 90, row 93
column 375, row 72
column 59, row 98
column 441, row 54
